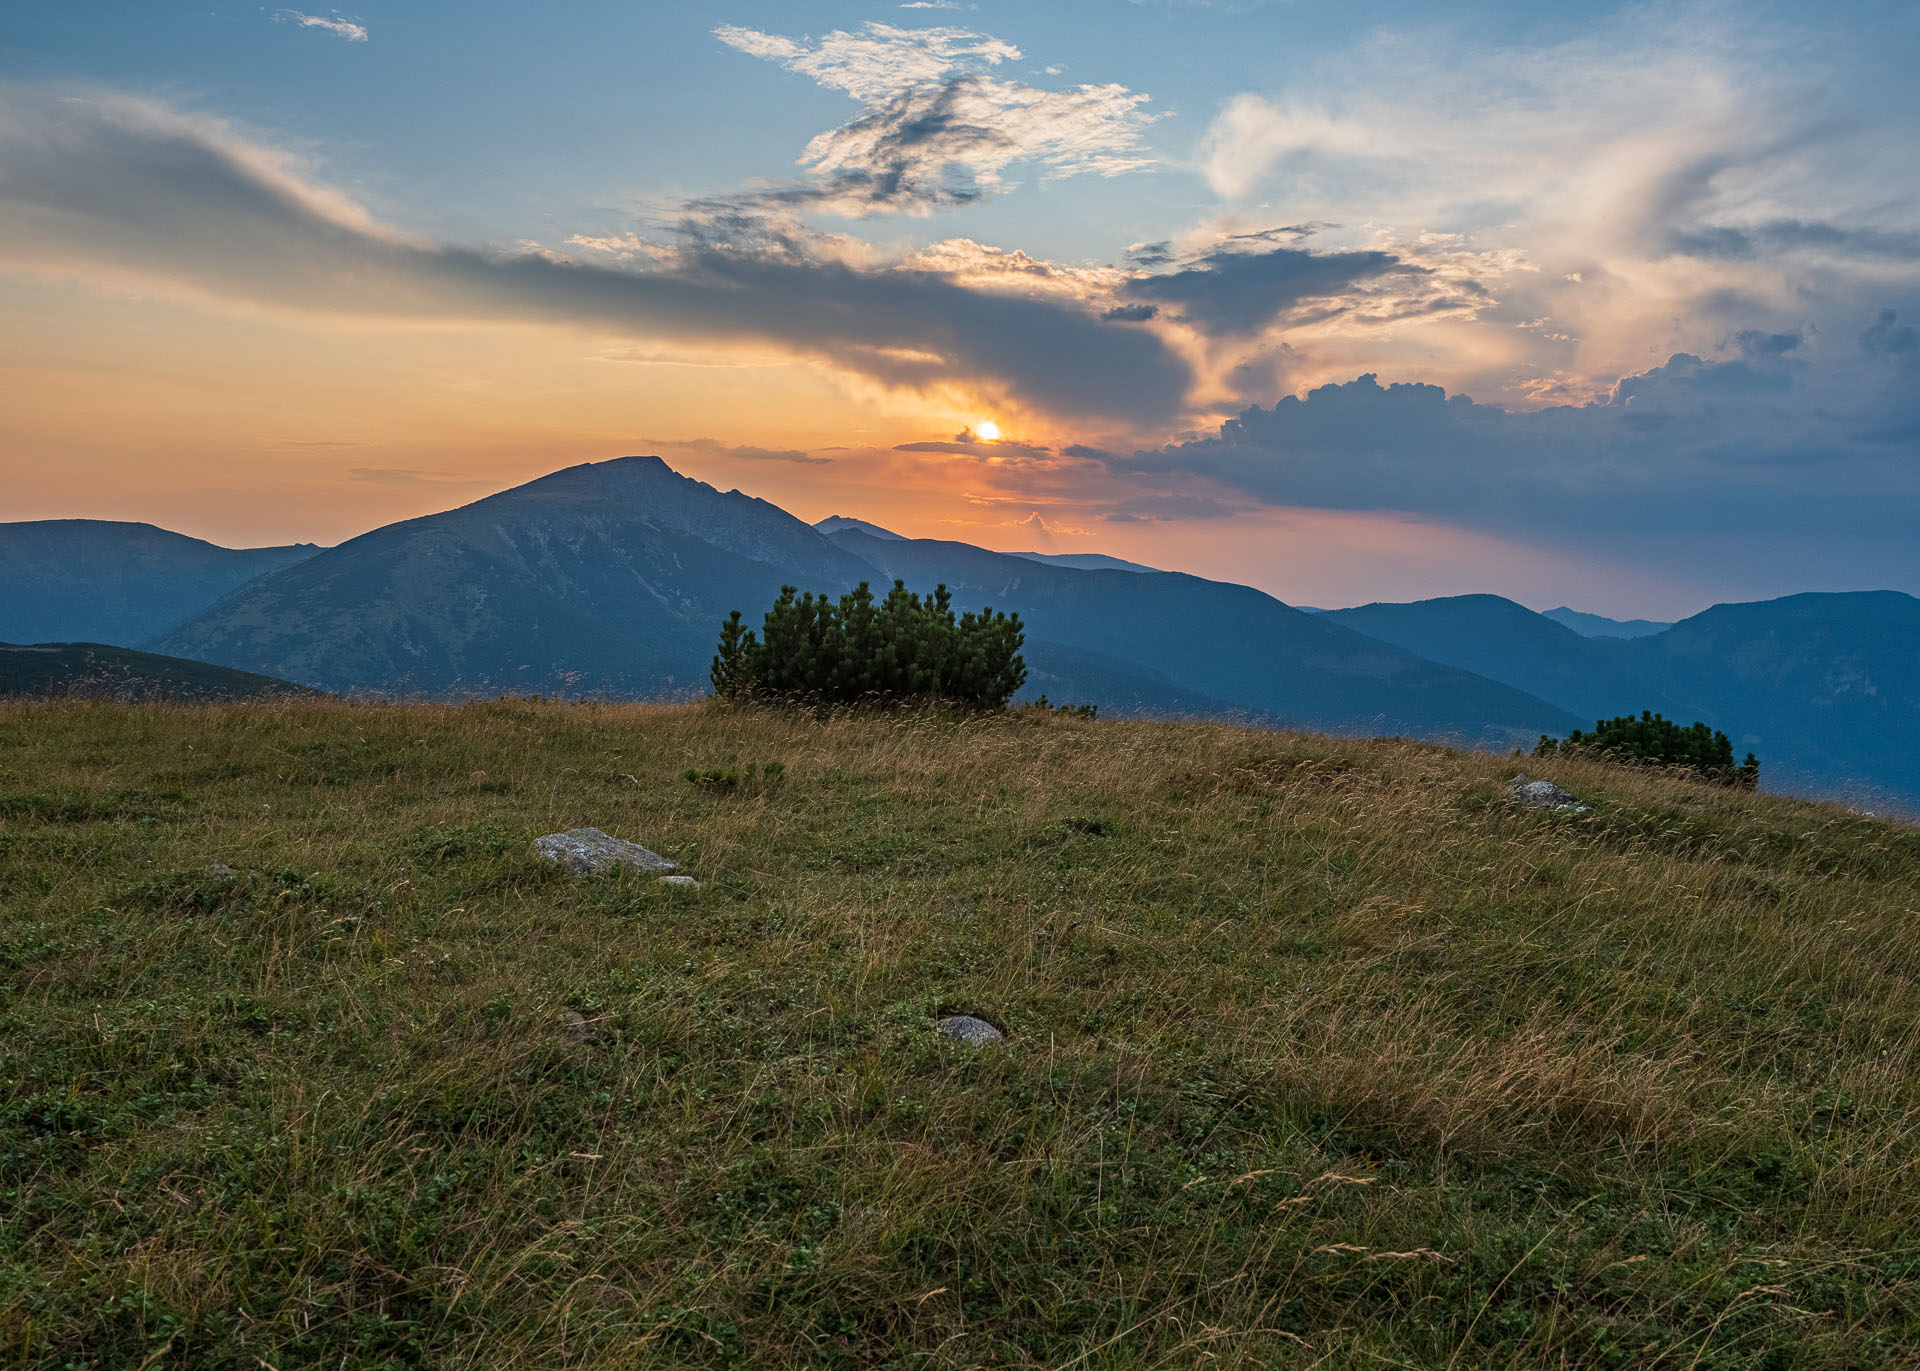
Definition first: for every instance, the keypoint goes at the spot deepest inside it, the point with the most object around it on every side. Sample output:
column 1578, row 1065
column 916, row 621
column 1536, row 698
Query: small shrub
column 1652, row 740
column 899, row 650
column 1045, row 706
column 732, row 778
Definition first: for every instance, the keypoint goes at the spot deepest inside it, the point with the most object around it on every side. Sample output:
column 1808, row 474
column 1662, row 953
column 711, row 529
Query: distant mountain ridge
column 63, row 670
column 610, row 579
column 1599, row 626
column 99, row 581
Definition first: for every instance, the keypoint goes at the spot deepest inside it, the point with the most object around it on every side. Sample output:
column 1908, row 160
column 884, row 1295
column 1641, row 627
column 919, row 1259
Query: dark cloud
column 1234, row 290
column 1891, row 338
column 1130, row 314
column 1147, row 256
column 1723, row 243
column 133, row 186
column 1743, row 447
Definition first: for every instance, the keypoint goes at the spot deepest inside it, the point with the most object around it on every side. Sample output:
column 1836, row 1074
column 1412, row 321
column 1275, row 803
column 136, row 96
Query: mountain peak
column 846, row 523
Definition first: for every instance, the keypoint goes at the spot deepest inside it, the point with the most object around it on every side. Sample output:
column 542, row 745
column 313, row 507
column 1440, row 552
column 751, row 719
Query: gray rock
column 680, row 882
column 967, row 1029
column 584, row 851
column 1545, row 795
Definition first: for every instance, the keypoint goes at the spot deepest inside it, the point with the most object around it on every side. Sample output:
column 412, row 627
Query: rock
column 1545, row 795
column 584, row 851
column 680, row 882
column 967, row 1029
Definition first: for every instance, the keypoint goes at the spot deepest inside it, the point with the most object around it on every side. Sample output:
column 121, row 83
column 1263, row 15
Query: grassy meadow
column 1321, row 1052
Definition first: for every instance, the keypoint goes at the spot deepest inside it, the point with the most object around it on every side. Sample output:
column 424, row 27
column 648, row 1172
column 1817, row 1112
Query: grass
column 1321, row 1052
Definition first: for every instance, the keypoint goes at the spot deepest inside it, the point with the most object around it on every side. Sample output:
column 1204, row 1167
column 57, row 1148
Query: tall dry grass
column 1320, row 1052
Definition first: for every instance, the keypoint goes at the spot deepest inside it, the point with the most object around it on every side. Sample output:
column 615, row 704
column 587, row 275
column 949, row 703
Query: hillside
column 610, row 580
column 58, row 670
column 1825, row 688
column 1320, row 1052
column 1228, row 641
column 1508, row 642
column 96, row 581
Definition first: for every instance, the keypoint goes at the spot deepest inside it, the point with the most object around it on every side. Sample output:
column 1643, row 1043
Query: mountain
column 609, row 578
column 835, row 523
column 1824, row 687
column 98, row 669
column 1226, row 641
column 1496, row 638
column 99, row 581
column 1599, row 626
column 612, row 578
column 1084, row 561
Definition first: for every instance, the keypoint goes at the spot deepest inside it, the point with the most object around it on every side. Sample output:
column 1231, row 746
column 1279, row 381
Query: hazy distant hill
column 98, row 669
column 1084, row 561
column 1826, row 688
column 1230, row 642
column 1497, row 638
column 1599, row 626
column 93, row 580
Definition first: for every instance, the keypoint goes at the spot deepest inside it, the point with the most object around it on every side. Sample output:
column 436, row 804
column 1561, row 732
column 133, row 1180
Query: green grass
column 1321, row 1053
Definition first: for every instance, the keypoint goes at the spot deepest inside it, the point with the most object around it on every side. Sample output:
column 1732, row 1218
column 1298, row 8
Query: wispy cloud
column 114, row 185
column 937, row 128
column 713, row 447
column 345, row 28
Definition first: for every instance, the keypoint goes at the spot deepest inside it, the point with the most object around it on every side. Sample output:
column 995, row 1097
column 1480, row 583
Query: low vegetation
column 1653, row 740
column 1320, row 1053
column 900, row 650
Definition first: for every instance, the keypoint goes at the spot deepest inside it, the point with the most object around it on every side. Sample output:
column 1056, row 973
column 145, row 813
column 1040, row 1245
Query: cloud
column 1754, row 445
column 1232, row 290
column 406, row 476
column 713, row 447
column 104, row 184
column 937, row 129
column 352, row 32
column 966, row 444
column 1672, row 171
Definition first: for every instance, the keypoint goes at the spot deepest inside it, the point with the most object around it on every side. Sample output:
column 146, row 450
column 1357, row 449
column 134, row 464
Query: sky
column 1608, row 305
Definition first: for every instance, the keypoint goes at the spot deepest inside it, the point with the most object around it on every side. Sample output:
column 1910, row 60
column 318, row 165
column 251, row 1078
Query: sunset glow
column 1512, row 282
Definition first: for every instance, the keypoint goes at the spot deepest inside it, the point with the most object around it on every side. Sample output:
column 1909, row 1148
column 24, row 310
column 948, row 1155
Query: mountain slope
column 50, row 670
column 1496, row 638
column 1226, row 641
column 608, row 579
column 95, row 580
column 1599, row 626
column 1825, row 687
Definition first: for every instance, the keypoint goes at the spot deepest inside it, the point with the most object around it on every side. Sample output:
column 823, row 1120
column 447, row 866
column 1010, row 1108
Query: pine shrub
column 1652, row 740
column 859, row 650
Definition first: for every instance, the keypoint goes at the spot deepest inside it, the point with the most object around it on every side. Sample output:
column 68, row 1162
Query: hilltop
column 95, row 669
column 1320, row 1052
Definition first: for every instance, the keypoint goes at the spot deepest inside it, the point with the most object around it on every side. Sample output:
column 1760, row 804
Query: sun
column 987, row 431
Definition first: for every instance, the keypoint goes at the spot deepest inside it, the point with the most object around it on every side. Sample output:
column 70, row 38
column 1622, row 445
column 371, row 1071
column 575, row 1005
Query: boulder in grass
column 1545, row 795
column 680, row 882
column 967, row 1029
column 585, row 851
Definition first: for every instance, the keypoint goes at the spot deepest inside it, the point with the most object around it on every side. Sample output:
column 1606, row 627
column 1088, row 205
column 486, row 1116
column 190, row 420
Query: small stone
column 680, row 882
column 967, row 1029
column 584, row 851
column 220, row 871
column 1545, row 795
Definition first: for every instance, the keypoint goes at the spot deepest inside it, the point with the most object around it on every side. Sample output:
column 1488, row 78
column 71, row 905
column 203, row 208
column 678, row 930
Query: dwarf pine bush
column 860, row 650
column 1657, row 741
